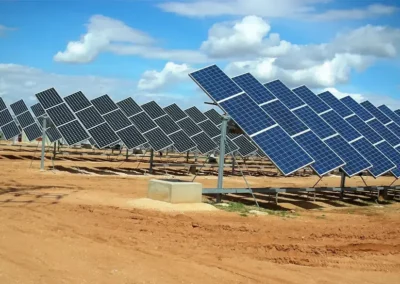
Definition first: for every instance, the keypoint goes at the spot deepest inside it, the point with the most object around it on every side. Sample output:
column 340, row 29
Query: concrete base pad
column 175, row 191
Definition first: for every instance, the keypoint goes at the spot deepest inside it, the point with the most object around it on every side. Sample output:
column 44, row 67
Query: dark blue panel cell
column 389, row 113
column 284, row 117
column 397, row 111
column 77, row 101
column 286, row 154
column 153, row 109
column 253, row 88
column 2, row 105
column 381, row 129
column 215, row 83
column 49, row 98
column 396, row 172
column 129, row 107
column 182, row 142
column 380, row 164
column 364, row 129
column 357, row 108
column 10, row 130
column 394, row 128
column 247, row 114
column 19, row 107
column 38, row 110
column 279, row 90
column 195, row 114
column 375, row 112
column 204, row 143
column 341, row 126
column 175, row 112
column 325, row 159
column 389, row 152
column 245, row 146
column 335, row 104
column 315, row 122
column 104, row 104
column 214, row 116
column 355, row 163
column 311, row 99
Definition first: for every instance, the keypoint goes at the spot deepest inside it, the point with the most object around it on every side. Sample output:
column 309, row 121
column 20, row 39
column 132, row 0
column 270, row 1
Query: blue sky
column 145, row 49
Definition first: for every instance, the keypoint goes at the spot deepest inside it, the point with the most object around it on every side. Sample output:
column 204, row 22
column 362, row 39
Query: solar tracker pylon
column 43, row 145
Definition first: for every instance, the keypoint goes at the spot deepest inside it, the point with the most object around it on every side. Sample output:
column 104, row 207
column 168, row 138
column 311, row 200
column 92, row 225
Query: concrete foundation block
column 175, row 191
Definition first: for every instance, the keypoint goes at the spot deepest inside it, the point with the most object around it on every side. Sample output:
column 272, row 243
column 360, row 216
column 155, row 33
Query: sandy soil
column 79, row 226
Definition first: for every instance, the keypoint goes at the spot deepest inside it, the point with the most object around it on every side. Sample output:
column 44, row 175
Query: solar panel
column 5, row 117
column 25, row 119
column 117, row 120
column 325, row 159
column 376, row 112
column 158, row 139
column 389, row 113
column 380, row 163
column 283, row 149
column 38, row 110
column 60, row 114
column 73, row 132
column 341, row 126
column 53, row 134
column 167, row 124
column 389, row 152
column 90, row 117
column 230, row 146
column 397, row 112
column 210, row 128
column 10, row 130
column 153, row 109
column 357, row 108
column 204, row 143
column 2, row 105
column 355, row 163
column 19, row 107
column 286, row 154
column 253, row 88
column 143, row 122
column 284, row 117
column 214, row 81
column 131, row 137
column 335, row 104
column 214, row 116
column 91, row 141
column 77, row 101
column 388, row 135
column 247, row 114
column 308, row 97
column 195, row 114
column 396, row 172
column 104, row 104
column 189, row 126
column 33, row 132
column 103, row 135
column 364, row 129
column 394, row 128
column 314, row 122
column 129, row 107
column 284, row 94
column 245, row 146
column 175, row 112
column 182, row 142
column 49, row 98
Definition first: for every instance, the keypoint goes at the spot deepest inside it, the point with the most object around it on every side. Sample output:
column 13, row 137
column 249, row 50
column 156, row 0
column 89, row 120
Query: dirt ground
column 72, row 226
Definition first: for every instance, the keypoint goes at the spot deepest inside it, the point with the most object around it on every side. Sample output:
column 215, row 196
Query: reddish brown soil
column 62, row 227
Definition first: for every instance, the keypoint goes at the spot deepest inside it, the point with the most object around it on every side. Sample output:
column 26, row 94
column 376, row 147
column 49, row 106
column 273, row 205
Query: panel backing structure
column 246, row 148
column 326, row 160
column 211, row 129
column 7, row 124
column 380, row 163
column 304, row 110
column 287, row 155
column 30, row 127
column 182, row 142
column 157, row 139
column 204, row 144
column 62, row 117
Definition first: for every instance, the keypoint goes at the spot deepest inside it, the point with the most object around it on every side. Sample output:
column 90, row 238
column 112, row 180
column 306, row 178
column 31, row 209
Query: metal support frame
column 222, row 156
column 151, row 161
column 43, row 144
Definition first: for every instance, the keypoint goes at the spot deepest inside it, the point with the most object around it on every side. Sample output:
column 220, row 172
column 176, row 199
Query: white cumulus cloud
column 106, row 34
column 171, row 73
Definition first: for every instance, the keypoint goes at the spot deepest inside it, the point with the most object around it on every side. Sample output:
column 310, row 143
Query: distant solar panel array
column 293, row 128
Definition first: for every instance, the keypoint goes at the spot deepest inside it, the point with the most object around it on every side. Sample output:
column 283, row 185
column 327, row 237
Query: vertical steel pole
column 222, row 155
column 342, row 184
column 151, row 161
column 43, row 144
